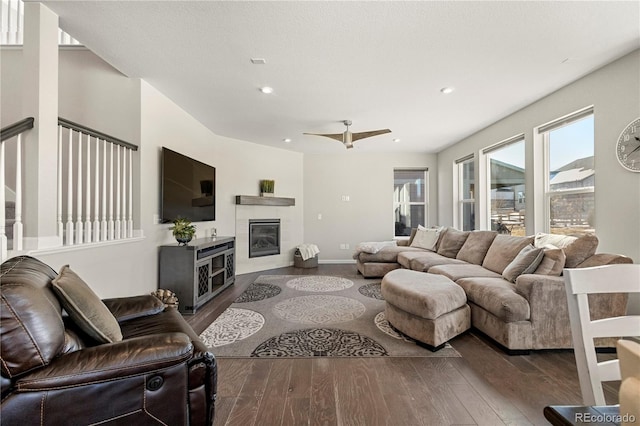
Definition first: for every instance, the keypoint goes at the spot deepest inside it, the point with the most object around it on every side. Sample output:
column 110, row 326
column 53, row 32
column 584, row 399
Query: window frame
column 395, row 204
column 485, row 217
column 459, row 201
column 544, row 135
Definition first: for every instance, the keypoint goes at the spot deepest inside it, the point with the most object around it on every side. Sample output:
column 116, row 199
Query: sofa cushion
column 451, row 241
column 475, row 247
column 374, row 246
column 525, row 262
column 85, row 308
column 577, row 249
column 424, row 261
column 463, row 270
column 386, row 254
column 426, row 238
column 498, row 296
column 503, row 250
column 424, row 295
column 552, row 262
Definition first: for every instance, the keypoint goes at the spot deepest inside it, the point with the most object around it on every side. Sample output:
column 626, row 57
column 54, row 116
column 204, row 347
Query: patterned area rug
column 310, row 316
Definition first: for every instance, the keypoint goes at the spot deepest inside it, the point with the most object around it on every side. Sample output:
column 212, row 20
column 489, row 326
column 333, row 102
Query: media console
column 198, row 271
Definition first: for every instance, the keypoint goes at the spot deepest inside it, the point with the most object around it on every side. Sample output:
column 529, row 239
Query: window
column 570, row 174
column 409, row 200
column 506, row 186
column 466, row 209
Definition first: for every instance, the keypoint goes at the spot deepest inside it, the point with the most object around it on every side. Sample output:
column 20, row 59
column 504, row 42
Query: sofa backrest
column 32, row 331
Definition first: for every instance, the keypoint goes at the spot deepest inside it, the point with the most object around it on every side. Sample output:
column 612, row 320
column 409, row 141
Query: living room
column 91, row 91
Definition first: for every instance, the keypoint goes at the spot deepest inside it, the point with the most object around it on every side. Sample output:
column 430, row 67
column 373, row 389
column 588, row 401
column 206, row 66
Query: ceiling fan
column 348, row 138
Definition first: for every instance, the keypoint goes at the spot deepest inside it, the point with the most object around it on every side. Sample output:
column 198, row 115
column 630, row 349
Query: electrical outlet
column 345, row 198
column 346, row 246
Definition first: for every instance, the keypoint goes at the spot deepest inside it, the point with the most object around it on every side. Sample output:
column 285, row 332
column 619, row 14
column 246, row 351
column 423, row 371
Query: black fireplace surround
column 264, row 237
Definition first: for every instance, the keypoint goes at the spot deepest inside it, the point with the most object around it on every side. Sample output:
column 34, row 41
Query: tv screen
column 188, row 188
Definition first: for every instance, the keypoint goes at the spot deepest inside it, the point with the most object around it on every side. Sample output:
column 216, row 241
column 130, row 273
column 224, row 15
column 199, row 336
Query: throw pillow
column 503, row 250
column 524, row 263
column 85, row 308
column 552, row 262
column 577, row 249
column 451, row 242
column 426, row 238
column 412, row 236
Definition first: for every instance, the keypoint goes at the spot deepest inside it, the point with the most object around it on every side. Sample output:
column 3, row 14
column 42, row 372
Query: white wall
column 614, row 91
column 94, row 94
column 367, row 179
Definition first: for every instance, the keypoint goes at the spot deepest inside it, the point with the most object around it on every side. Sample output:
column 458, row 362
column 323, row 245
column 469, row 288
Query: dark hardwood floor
column 484, row 387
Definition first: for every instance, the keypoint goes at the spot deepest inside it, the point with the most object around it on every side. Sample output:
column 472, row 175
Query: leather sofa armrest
column 600, row 259
column 110, row 362
column 127, row 308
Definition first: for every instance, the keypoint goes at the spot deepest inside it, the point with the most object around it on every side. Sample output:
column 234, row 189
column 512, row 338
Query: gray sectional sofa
column 520, row 311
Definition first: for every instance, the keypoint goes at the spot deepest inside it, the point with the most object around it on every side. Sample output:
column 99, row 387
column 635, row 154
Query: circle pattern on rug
column 319, row 283
column 384, row 326
column 319, row 342
column 234, row 324
column 257, row 291
column 319, row 309
column 371, row 290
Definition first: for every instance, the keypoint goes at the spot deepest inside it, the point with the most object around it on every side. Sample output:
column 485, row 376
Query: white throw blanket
column 307, row 251
column 372, row 247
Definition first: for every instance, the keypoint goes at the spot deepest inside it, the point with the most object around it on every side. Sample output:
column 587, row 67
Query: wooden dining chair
column 579, row 284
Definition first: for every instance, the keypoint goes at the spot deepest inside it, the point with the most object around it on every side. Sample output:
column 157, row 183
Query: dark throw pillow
column 85, row 308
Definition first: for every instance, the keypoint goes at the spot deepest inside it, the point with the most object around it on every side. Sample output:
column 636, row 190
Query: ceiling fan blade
column 336, row 136
column 363, row 135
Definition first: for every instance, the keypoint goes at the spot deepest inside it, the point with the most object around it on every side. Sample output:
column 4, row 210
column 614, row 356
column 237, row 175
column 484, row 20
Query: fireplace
column 264, row 237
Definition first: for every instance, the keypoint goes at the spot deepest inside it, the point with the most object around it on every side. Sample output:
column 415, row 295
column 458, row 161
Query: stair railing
column 12, row 134
column 12, row 25
column 102, row 185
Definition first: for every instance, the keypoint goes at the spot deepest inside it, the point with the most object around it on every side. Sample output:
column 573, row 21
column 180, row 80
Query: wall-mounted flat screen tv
column 188, row 188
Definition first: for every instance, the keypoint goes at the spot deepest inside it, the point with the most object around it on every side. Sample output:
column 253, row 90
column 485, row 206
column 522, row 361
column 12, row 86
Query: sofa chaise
column 521, row 309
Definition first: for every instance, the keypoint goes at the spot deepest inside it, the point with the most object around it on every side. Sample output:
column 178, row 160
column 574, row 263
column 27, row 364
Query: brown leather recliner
column 53, row 374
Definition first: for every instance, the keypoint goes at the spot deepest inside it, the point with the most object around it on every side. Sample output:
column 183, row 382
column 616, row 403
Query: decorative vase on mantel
column 266, row 187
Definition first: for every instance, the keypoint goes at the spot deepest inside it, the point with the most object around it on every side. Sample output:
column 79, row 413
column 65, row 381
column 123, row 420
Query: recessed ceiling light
column 447, row 90
column 266, row 89
column 396, row 140
column 286, row 140
column 258, row 61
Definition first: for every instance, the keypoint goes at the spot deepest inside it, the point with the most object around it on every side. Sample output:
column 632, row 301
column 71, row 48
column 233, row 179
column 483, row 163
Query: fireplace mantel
column 253, row 200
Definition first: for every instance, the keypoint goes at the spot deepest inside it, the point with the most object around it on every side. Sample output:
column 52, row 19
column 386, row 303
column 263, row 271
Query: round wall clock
column 628, row 146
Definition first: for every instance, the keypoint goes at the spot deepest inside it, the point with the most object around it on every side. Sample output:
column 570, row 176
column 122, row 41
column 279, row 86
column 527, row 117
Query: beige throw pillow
column 552, row 263
column 577, row 249
column 426, row 238
column 85, row 308
column 524, row 263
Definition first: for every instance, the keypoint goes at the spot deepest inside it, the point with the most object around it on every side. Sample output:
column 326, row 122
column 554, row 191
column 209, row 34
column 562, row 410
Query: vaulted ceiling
column 379, row 64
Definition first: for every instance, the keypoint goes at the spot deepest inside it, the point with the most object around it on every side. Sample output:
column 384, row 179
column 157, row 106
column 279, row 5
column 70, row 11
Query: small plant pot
column 266, row 194
column 183, row 240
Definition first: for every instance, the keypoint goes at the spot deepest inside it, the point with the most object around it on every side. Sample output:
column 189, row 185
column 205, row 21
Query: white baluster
column 59, row 206
column 3, row 235
column 130, row 215
column 87, row 199
column 79, row 223
column 19, row 22
column 17, row 224
column 118, row 230
column 124, row 192
column 69, row 230
column 96, row 195
column 103, row 223
column 111, row 223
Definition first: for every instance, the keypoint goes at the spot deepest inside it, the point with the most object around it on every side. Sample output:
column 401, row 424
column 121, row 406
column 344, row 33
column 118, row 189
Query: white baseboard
column 339, row 261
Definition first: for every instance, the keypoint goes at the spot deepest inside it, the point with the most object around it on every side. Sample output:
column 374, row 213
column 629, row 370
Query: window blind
column 503, row 143
column 567, row 119
column 465, row 158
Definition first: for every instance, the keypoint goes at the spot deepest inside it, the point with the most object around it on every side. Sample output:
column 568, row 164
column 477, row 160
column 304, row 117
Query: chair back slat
column 579, row 284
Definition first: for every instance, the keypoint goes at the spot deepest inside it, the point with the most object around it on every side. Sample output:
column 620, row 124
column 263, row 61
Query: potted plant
column 266, row 187
column 183, row 230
